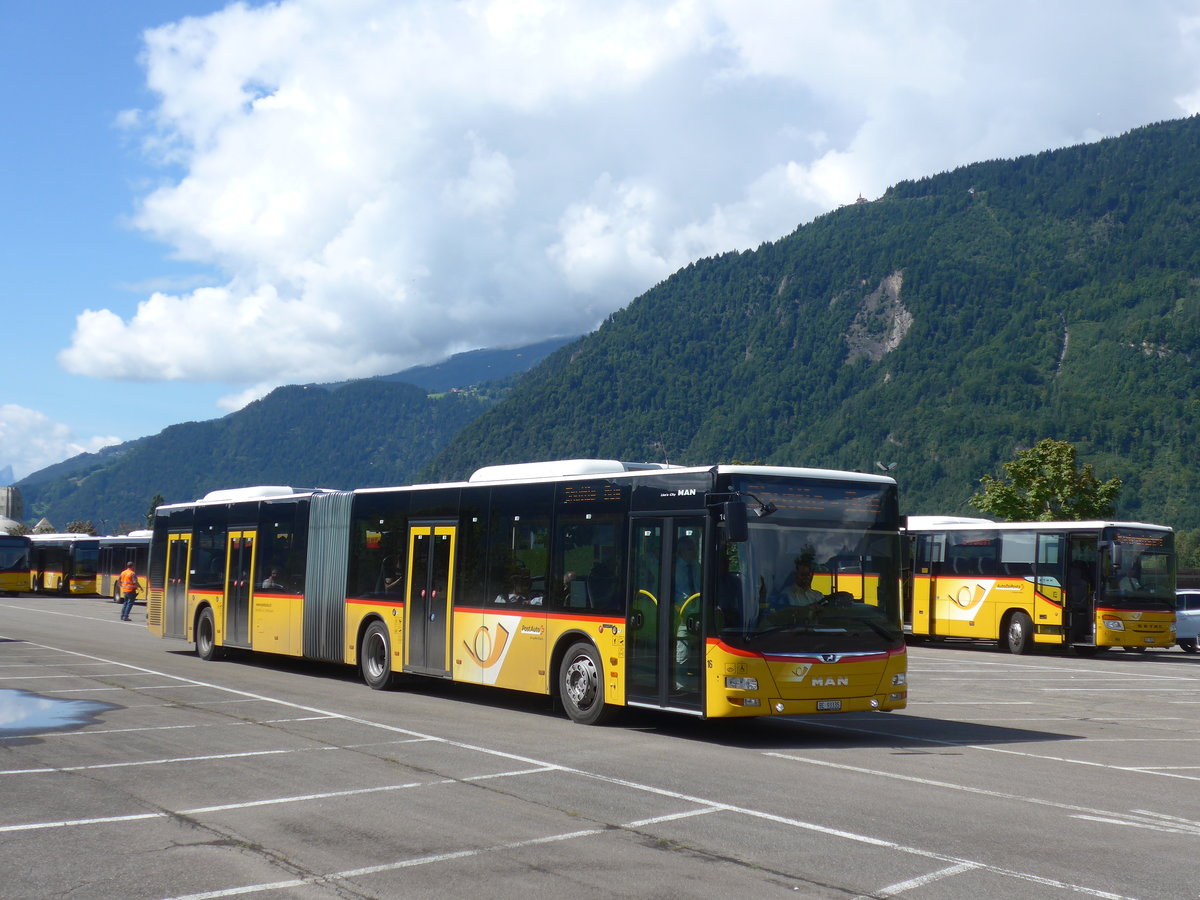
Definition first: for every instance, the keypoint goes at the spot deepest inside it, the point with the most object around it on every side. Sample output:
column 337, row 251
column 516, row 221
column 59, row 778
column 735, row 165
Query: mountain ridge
column 946, row 325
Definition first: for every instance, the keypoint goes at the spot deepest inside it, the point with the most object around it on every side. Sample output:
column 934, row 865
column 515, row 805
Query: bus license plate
column 829, row 705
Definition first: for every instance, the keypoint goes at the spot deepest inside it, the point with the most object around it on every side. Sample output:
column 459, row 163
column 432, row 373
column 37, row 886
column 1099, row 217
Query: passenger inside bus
column 519, row 590
column 393, row 579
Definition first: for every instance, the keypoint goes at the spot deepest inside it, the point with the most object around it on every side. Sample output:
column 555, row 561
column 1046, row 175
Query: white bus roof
column 550, row 470
column 584, row 467
column 138, row 535
column 804, row 472
column 560, row 468
column 952, row 523
column 248, row 493
column 924, row 522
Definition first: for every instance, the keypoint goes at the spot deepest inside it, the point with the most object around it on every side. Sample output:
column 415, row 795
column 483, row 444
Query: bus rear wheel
column 375, row 657
column 206, row 635
column 1018, row 636
column 581, row 686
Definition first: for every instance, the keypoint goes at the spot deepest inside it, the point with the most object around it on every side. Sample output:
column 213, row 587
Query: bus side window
column 585, row 564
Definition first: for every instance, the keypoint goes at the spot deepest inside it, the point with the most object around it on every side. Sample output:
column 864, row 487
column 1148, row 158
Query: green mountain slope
column 946, row 325
column 366, row 433
column 352, row 434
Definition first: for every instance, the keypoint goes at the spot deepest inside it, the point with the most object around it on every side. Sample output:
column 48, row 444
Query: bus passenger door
column 175, row 601
column 238, row 577
column 665, row 636
column 430, row 585
column 1080, row 606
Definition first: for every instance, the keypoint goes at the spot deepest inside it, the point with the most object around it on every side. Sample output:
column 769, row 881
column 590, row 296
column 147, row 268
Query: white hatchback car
column 1187, row 618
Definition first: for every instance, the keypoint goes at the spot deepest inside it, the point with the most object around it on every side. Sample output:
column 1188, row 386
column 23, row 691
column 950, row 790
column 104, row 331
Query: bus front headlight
column 1114, row 624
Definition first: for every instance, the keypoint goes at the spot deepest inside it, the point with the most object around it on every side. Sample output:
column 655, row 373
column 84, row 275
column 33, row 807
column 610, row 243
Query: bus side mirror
column 734, row 514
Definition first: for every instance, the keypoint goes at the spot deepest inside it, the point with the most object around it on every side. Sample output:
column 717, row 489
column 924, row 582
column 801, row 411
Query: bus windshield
column 1138, row 569
column 14, row 554
column 797, row 589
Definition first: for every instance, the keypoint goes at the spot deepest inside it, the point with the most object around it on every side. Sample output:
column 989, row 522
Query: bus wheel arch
column 1017, row 631
column 205, row 630
column 375, row 655
column 581, row 684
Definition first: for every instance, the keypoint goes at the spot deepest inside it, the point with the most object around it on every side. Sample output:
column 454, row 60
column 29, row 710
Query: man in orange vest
column 129, row 588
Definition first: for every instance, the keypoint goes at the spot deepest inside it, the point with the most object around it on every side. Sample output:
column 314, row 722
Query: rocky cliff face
column 881, row 322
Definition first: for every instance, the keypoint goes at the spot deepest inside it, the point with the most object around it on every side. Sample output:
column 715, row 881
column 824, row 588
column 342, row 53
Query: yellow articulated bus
column 63, row 563
column 1090, row 586
column 116, row 552
column 14, row 563
column 715, row 591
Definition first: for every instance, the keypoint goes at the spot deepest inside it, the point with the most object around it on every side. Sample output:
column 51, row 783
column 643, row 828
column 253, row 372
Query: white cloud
column 384, row 184
column 30, row 441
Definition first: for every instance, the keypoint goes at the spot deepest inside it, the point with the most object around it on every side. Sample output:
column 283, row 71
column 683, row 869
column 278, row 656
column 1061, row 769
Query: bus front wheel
column 581, row 685
column 206, row 635
column 375, row 657
column 1018, row 636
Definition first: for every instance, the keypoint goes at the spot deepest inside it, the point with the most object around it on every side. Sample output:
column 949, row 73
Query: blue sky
column 204, row 201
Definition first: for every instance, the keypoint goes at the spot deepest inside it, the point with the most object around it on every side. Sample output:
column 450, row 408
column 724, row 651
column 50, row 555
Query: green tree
column 1187, row 548
column 155, row 502
column 81, row 526
column 20, row 528
column 1045, row 484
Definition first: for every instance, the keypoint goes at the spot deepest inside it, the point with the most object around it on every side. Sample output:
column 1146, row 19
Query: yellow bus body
column 516, row 649
column 978, row 607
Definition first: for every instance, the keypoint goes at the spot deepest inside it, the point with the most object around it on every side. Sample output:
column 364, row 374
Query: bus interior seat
column 578, row 597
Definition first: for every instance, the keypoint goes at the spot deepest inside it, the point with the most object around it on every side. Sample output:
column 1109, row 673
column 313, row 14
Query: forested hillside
column 944, row 326
column 366, row 433
column 370, row 432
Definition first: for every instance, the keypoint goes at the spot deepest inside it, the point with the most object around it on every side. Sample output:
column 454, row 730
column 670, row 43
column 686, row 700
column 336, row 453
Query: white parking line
column 386, row 867
column 631, row 785
column 920, row 881
column 1073, row 809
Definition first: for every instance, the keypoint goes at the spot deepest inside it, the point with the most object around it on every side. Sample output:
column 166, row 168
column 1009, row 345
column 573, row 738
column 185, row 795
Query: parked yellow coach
column 1090, row 586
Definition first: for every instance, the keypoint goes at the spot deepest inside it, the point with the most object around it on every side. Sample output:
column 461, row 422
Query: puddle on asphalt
column 23, row 713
